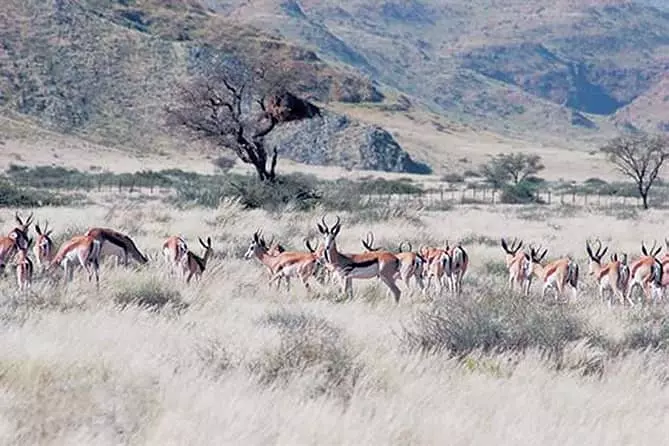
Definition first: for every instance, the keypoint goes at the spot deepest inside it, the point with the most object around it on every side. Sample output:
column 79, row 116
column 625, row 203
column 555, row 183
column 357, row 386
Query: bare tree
column 639, row 157
column 226, row 105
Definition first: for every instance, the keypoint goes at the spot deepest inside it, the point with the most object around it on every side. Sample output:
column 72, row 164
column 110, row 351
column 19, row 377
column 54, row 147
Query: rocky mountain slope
column 565, row 67
column 105, row 70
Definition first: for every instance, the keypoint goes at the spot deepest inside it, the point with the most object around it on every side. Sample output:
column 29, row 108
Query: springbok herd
column 440, row 266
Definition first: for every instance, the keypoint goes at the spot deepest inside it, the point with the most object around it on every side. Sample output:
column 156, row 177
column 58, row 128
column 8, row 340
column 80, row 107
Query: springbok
column 411, row 263
column 81, row 249
column 368, row 265
column 518, row 264
column 612, row 276
column 437, row 266
column 195, row 265
column 646, row 272
column 43, row 248
column 117, row 245
column 24, row 267
column 284, row 265
column 457, row 267
column 557, row 274
column 174, row 253
column 16, row 239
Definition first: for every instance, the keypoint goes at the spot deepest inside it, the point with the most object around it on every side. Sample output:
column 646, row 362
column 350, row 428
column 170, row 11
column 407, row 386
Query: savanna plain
column 148, row 359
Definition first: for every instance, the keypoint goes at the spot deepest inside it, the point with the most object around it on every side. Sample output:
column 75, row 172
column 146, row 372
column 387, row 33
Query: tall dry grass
column 148, row 360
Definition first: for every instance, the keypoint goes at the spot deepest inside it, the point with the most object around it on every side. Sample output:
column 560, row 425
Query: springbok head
column 596, row 255
column 257, row 245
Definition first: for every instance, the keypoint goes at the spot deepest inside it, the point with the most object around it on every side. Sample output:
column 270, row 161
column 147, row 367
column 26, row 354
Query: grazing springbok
column 43, row 248
column 646, row 272
column 16, row 239
column 612, row 276
column 117, row 244
column 174, row 253
column 83, row 250
column 24, row 267
column 518, row 264
column 558, row 274
column 411, row 263
column 285, row 265
column 368, row 265
column 195, row 265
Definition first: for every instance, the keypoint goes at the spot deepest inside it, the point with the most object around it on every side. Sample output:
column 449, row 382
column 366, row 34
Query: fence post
column 549, row 196
column 573, row 197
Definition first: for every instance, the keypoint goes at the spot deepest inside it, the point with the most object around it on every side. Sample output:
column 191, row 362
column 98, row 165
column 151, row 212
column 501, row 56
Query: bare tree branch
column 221, row 105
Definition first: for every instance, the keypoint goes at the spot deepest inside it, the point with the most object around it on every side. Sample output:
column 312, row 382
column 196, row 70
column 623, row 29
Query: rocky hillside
column 106, row 69
column 562, row 67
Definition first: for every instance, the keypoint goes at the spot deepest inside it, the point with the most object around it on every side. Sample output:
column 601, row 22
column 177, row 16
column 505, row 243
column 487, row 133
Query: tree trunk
column 644, row 198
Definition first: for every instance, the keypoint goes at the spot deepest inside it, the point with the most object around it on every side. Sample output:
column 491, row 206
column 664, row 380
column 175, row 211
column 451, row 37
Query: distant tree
column 515, row 168
column 640, row 157
column 226, row 104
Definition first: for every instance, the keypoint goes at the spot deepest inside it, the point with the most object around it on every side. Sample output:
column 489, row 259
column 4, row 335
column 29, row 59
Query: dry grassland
column 151, row 361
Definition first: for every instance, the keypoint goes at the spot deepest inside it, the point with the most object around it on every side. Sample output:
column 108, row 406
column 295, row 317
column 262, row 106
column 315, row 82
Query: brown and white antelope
column 174, row 253
column 116, row 244
column 411, row 263
column 83, row 250
column 16, row 239
column 285, row 265
column 518, row 264
column 646, row 273
column 24, row 267
column 456, row 268
column 437, row 264
column 43, row 248
column 612, row 276
column 558, row 274
column 195, row 265
column 378, row 264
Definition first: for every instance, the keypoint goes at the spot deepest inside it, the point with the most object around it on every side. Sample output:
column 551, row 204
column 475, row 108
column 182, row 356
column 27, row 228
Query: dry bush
column 311, row 346
column 495, row 322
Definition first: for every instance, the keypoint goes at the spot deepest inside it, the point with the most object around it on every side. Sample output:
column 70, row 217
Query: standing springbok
column 411, row 263
column 646, row 273
column 458, row 262
column 195, row 265
column 174, row 253
column 559, row 274
column 117, row 244
column 16, row 239
column 518, row 264
column 285, row 265
column 24, row 267
column 43, row 248
column 612, row 276
column 81, row 249
column 437, row 266
column 368, row 265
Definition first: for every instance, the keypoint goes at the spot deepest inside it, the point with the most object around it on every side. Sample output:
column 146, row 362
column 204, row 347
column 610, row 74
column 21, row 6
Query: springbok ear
column 321, row 228
column 208, row 242
column 38, row 229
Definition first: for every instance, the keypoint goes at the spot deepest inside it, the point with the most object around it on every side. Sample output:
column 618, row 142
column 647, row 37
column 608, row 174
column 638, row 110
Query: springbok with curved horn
column 646, row 272
column 15, row 240
column 378, row 264
column 411, row 263
column 284, row 265
column 195, row 265
column 558, row 274
column 43, row 248
column 81, row 249
column 518, row 264
column 612, row 276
